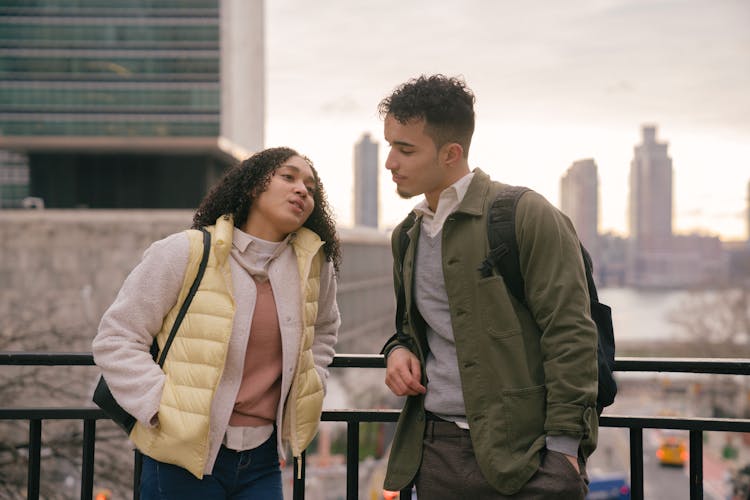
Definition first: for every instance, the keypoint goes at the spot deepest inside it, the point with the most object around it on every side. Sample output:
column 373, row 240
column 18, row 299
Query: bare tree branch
column 717, row 321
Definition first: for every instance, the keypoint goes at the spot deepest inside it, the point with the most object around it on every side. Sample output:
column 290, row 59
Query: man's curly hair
column 236, row 191
column 446, row 105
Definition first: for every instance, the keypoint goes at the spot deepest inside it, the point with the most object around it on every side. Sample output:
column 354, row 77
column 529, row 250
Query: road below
column 660, row 482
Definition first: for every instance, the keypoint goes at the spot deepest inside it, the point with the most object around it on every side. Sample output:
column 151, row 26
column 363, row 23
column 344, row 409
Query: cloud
column 346, row 105
column 621, row 86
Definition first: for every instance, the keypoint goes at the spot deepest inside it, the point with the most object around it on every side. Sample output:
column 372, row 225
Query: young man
column 501, row 395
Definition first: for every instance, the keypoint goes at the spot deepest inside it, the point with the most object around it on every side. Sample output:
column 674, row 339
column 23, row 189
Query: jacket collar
column 305, row 240
column 476, row 195
column 223, row 233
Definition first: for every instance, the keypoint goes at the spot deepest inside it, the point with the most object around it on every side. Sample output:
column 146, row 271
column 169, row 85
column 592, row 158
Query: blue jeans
column 238, row 475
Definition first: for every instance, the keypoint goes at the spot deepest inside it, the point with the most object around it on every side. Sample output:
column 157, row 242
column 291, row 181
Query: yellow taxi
column 672, row 450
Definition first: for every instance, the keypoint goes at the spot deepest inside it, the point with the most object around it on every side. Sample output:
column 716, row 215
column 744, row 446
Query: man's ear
column 452, row 153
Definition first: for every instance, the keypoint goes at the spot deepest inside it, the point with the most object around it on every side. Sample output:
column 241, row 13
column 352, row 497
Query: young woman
column 245, row 375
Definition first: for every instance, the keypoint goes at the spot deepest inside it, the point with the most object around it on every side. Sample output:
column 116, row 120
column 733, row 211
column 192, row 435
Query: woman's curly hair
column 446, row 105
column 236, row 191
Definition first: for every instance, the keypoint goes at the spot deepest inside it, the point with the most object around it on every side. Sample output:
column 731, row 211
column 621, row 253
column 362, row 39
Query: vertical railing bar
column 636, row 463
column 352, row 460
column 87, row 465
column 137, row 469
column 696, row 465
column 35, row 458
column 298, row 485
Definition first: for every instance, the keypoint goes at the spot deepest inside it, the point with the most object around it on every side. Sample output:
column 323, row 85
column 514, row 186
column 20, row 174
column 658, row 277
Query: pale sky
column 555, row 82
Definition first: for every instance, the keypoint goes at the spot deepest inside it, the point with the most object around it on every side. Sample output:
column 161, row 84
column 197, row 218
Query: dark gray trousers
column 450, row 470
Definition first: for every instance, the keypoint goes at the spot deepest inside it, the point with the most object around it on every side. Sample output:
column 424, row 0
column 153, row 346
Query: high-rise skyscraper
column 579, row 200
column 650, row 208
column 130, row 104
column 366, row 182
column 656, row 257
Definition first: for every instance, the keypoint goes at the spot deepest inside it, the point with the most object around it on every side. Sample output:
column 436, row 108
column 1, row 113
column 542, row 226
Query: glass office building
column 14, row 179
column 130, row 103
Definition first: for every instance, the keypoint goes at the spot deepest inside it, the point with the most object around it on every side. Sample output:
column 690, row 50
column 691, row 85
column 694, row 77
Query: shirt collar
column 449, row 200
column 241, row 241
column 462, row 186
column 453, row 194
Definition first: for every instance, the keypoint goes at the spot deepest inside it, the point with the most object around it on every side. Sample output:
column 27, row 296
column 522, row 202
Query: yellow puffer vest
column 195, row 361
column 305, row 400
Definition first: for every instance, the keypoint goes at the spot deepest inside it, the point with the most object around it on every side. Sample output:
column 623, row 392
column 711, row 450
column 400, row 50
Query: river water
column 643, row 314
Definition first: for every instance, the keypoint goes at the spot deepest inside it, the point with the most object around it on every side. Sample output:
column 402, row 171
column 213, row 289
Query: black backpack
column 503, row 256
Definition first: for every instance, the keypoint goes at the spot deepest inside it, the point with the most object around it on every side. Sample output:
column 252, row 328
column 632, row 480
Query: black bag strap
column 189, row 298
column 588, row 265
column 501, row 236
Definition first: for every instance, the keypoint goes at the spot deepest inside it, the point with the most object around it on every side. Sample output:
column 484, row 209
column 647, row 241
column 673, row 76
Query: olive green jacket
column 526, row 372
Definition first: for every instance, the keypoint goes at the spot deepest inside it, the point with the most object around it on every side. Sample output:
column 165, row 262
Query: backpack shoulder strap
column 501, row 236
column 588, row 265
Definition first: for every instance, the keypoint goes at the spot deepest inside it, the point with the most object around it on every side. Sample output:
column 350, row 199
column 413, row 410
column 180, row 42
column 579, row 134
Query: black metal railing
column 353, row 419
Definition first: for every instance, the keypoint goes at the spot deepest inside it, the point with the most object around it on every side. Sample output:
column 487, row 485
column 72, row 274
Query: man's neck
column 434, row 197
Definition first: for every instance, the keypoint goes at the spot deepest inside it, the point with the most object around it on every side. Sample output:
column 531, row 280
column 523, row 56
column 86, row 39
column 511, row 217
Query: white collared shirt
column 448, row 202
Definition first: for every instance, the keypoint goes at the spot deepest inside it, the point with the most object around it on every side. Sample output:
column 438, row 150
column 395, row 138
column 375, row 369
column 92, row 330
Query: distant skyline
column 555, row 83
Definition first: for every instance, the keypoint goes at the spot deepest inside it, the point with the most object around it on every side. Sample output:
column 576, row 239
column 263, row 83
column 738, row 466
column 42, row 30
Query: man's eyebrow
column 402, row 143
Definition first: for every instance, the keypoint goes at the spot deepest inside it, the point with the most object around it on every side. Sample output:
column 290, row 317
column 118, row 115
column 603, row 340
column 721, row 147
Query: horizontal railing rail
column 723, row 366
column 353, row 418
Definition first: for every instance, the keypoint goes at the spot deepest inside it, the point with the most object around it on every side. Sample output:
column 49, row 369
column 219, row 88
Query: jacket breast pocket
column 497, row 316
